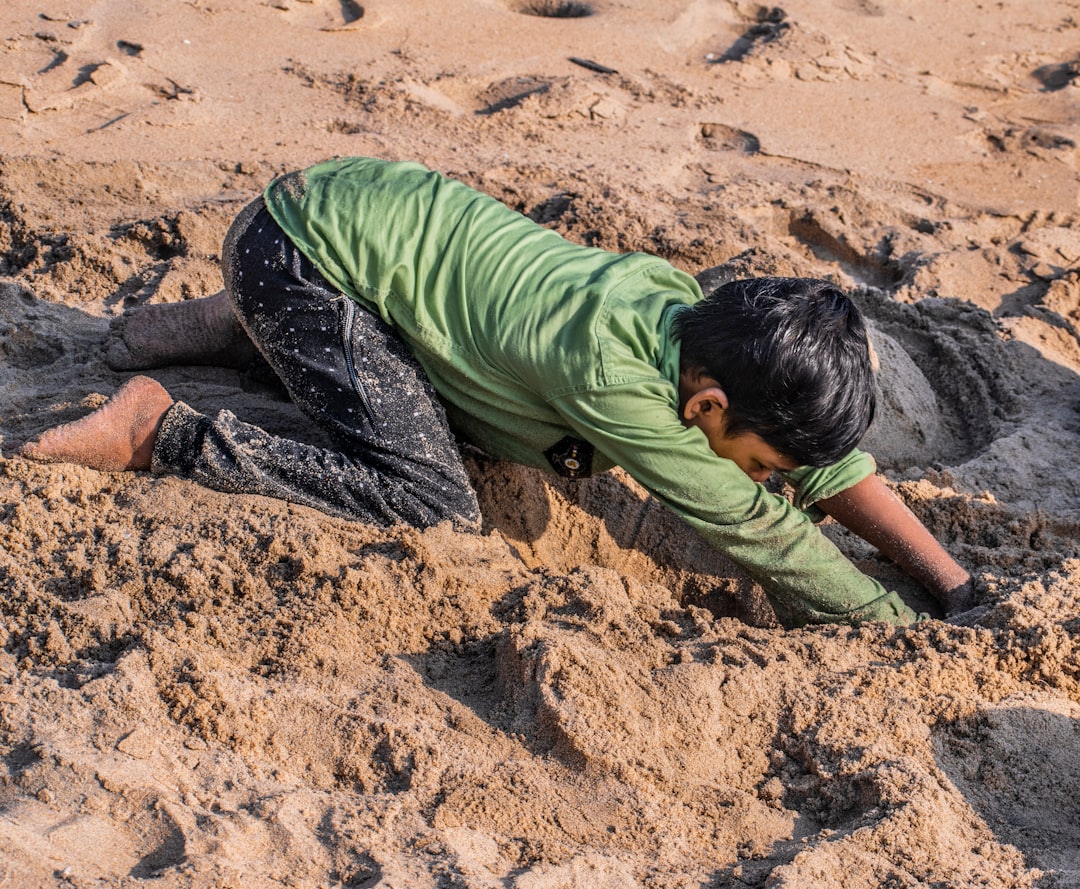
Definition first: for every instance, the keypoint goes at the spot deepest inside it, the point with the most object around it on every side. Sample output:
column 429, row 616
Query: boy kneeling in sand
column 396, row 305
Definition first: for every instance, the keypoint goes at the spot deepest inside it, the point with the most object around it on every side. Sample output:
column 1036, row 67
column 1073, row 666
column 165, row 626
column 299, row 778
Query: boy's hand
column 960, row 598
column 882, row 519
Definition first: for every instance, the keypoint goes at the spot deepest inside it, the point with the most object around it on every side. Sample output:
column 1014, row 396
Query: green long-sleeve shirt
column 530, row 340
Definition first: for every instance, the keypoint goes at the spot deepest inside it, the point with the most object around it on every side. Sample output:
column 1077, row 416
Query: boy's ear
column 705, row 401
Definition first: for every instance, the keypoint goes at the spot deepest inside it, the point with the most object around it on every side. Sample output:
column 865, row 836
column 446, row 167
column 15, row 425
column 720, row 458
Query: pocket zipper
column 350, row 359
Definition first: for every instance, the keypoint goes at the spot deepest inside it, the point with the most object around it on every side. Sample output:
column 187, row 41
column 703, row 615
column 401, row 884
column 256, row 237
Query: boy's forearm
column 871, row 510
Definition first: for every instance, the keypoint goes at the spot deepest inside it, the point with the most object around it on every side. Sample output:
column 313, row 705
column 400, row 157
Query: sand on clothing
column 214, row 691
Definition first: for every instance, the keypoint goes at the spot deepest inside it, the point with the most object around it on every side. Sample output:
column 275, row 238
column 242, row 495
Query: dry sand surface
column 226, row 691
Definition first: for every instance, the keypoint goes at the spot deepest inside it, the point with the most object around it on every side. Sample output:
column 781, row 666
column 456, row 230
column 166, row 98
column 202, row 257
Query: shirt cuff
column 813, row 483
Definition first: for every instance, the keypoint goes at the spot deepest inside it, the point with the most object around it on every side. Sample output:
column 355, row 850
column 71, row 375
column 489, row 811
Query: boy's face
column 750, row 453
column 704, row 406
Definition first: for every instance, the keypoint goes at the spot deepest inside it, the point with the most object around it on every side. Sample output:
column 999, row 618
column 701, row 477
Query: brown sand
column 216, row 691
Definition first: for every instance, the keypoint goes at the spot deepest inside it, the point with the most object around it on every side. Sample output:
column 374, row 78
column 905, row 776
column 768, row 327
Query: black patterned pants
column 394, row 460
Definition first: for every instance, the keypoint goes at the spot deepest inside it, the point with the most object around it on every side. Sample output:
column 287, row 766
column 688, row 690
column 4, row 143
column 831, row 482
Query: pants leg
column 395, row 458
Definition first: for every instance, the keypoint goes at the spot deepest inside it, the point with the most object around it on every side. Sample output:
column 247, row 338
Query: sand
column 225, row 691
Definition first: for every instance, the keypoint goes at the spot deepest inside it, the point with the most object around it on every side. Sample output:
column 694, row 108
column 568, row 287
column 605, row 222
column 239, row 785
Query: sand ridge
column 208, row 690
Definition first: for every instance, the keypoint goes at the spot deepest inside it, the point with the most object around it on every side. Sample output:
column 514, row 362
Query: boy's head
column 792, row 357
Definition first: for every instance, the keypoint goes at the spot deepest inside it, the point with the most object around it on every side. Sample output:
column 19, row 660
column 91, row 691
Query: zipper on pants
column 348, row 315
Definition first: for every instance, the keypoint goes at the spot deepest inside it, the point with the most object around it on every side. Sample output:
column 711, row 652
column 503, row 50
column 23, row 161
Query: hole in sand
column 945, row 387
column 555, row 9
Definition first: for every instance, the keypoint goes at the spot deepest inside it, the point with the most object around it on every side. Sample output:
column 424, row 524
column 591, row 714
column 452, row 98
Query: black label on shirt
column 571, row 457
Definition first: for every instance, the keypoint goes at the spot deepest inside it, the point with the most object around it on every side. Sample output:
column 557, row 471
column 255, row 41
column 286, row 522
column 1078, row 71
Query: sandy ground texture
column 224, row 691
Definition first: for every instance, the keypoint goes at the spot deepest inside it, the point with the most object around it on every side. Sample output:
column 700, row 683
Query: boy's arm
column 807, row 579
column 871, row 510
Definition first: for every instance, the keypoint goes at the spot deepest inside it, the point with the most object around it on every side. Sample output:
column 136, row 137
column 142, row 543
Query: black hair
column 793, row 357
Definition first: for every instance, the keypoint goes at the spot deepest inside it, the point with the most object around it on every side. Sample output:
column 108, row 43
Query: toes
column 117, row 354
column 27, row 451
column 37, row 449
column 119, row 357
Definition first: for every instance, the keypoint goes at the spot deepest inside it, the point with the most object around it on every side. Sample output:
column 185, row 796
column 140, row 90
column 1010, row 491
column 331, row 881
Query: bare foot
column 197, row 331
column 118, row 435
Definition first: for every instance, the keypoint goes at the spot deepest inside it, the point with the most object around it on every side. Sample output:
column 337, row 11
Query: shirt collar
column 670, row 350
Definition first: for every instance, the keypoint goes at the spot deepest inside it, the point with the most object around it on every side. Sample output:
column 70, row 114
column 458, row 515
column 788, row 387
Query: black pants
column 395, row 458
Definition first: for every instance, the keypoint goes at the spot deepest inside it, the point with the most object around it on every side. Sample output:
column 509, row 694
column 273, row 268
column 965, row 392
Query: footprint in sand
column 95, row 78
column 721, row 137
column 323, row 15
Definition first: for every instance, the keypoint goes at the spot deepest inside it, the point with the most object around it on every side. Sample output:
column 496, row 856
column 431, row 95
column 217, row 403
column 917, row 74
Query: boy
column 396, row 304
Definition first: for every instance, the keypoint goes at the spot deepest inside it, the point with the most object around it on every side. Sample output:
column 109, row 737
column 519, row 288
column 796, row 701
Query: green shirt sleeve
column 813, row 483
column 807, row 579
